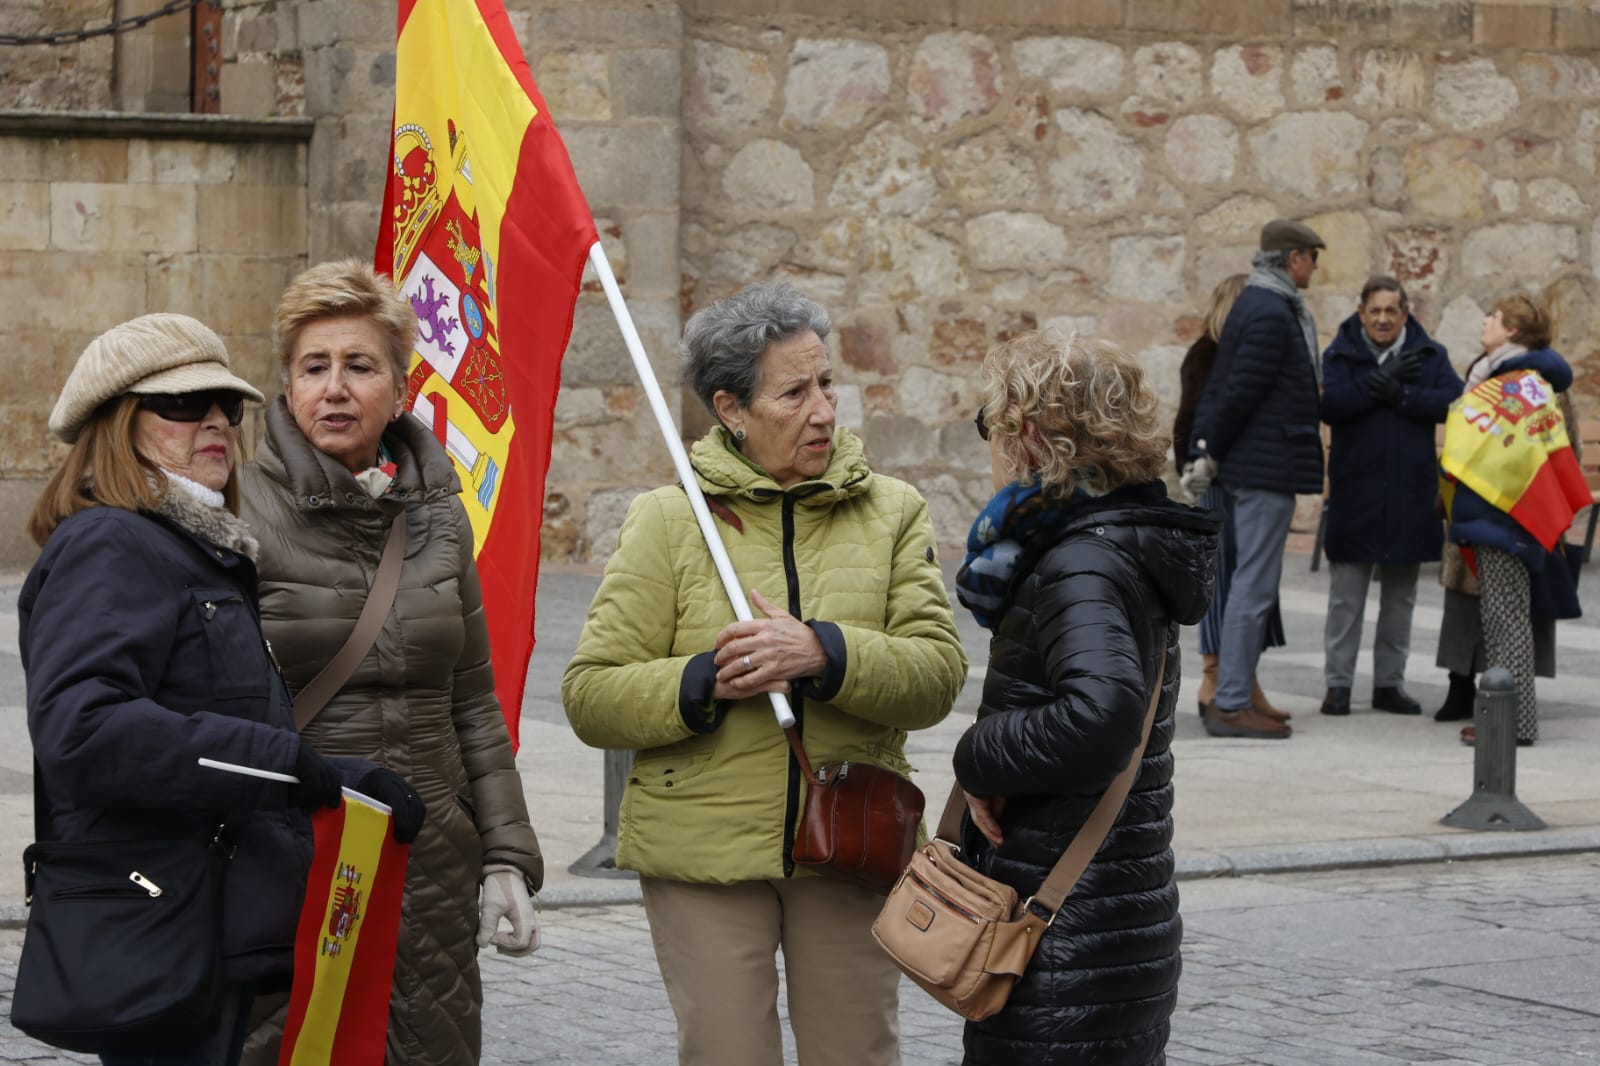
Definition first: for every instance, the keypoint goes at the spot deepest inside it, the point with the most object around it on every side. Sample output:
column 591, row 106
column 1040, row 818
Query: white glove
column 505, row 895
column 1197, row 476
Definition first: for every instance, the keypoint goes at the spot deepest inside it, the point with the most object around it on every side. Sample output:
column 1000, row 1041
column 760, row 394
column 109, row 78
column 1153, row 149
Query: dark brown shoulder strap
column 385, row 583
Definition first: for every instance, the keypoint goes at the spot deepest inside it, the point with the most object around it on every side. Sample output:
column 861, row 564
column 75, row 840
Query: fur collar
column 215, row 525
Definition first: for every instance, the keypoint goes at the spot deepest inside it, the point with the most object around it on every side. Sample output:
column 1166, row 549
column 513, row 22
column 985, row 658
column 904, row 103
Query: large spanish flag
column 1506, row 440
column 344, row 949
column 482, row 202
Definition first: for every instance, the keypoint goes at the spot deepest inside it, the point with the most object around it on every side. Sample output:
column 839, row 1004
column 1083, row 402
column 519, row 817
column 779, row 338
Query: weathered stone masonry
column 944, row 173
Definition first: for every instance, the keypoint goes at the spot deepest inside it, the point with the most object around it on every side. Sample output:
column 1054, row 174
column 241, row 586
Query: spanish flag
column 481, row 203
column 344, row 949
column 1506, row 440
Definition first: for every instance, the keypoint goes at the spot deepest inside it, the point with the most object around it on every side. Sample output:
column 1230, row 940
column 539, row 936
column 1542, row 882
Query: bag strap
column 799, row 749
column 385, row 583
column 1064, row 875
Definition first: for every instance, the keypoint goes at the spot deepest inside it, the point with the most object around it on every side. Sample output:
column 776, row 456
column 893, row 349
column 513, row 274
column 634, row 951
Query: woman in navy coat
column 141, row 643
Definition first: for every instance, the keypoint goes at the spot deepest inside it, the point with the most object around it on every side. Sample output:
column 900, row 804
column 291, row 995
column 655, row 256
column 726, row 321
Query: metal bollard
column 601, row 860
column 1493, row 803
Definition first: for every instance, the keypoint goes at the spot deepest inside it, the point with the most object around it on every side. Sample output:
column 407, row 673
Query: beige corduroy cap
column 149, row 354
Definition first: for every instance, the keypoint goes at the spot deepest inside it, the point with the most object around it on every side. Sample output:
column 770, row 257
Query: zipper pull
column 211, row 610
column 145, row 883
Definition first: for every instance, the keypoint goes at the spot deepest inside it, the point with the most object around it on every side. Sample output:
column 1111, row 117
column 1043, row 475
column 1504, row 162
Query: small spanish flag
column 344, row 950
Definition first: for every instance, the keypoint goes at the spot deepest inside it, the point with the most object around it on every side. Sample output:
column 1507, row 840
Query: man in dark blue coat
column 1258, row 428
column 1385, row 385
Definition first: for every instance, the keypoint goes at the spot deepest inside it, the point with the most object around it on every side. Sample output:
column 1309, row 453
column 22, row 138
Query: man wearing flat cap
column 1257, row 433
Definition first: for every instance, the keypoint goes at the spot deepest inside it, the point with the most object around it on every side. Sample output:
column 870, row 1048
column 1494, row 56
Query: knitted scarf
column 1278, row 281
column 1015, row 515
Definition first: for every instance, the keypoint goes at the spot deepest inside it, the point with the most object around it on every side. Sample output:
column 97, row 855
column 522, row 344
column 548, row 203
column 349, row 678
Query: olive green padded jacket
column 850, row 548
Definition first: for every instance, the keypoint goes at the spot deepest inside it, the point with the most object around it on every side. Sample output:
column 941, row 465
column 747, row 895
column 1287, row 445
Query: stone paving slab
column 1470, row 963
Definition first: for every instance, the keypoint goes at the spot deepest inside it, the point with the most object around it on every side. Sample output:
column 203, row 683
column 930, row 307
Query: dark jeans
column 221, row 1048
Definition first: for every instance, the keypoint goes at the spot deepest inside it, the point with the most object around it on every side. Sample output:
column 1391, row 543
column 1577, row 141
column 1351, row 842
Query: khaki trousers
column 716, row 946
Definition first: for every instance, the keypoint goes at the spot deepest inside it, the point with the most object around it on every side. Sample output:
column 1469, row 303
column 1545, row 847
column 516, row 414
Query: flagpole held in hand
column 680, row 458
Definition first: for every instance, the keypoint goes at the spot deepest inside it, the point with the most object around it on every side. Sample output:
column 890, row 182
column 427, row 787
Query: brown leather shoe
column 1246, row 722
column 1208, row 681
column 1259, row 699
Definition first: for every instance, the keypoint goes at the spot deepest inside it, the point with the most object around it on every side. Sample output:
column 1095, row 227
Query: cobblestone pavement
column 1483, row 963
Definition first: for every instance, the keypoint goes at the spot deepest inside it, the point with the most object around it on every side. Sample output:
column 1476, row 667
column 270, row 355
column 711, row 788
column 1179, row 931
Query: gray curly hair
column 723, row 343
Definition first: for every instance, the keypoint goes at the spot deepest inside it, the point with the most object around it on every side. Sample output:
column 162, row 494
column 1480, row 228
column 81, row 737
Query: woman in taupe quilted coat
column 340, row 462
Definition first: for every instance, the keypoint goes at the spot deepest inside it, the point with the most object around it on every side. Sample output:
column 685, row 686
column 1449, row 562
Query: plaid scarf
column 1017, row 514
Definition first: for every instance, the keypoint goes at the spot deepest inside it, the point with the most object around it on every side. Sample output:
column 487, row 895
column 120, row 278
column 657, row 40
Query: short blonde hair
column 345, row 287
column 1069, row 411
column 1525, row 319
column 103, row 468
column 1222, row 300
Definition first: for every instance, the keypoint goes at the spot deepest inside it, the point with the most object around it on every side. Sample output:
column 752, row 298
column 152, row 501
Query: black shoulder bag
column 123, row 951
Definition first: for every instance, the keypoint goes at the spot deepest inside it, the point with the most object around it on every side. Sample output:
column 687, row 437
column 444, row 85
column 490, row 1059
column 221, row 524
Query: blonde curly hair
column 1068, row 412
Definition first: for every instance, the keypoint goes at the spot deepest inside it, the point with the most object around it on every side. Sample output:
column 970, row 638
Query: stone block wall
column 942, row 175
column 100, row 223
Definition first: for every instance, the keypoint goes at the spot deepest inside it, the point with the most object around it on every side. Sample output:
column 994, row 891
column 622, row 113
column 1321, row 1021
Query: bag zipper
column 946, row 900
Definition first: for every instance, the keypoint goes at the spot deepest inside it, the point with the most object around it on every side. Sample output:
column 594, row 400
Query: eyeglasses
column 983, row 427
column 194, row 406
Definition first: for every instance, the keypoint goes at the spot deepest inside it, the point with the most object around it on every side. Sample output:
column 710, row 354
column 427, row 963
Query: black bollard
column 601, row 860
column 1493, row 803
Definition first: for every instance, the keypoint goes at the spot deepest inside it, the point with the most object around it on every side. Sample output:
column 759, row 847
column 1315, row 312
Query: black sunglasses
column 983, row 427
column 194, row 406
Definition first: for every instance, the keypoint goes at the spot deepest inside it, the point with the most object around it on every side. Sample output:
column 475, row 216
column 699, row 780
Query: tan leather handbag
column 963, row 936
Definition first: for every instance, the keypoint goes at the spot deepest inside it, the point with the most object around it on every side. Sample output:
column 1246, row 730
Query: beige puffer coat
column 422, row 702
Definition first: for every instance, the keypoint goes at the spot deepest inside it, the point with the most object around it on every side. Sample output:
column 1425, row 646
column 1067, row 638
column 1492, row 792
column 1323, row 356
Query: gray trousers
column 1261, row 528
column 1347, row 600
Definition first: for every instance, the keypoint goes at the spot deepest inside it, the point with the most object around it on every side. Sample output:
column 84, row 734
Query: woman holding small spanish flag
column 1510, row 487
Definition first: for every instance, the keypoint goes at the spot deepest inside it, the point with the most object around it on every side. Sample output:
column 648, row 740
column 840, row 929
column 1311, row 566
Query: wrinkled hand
column 1197, row 476
column 1384, row 387
column 765, row 654
column 319, row 784
column 505, row 895
column 406, row 809
column 986, row 815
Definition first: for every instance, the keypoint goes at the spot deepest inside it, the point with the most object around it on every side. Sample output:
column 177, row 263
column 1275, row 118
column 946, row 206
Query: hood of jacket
column 316, row 480
column 723, row 470
column 1350, row 342
column 1547, row 362
column 1174, row 545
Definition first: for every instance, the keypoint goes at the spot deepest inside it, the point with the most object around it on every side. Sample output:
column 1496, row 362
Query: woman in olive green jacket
column 852, row 621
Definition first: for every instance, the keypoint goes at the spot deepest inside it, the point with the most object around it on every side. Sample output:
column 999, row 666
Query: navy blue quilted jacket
column 1072, row 664
column 1258, row 416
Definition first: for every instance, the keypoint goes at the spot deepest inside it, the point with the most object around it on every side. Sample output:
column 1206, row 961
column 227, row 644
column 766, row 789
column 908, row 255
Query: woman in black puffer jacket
column 1083, row 570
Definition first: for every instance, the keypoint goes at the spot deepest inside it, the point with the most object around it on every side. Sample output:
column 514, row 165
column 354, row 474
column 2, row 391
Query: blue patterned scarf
column 1017, row 513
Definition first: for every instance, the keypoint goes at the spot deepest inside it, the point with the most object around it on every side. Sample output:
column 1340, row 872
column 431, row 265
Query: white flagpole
column 680, row 458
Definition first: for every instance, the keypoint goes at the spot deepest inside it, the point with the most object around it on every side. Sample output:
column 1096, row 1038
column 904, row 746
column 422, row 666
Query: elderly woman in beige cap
column 143, row 652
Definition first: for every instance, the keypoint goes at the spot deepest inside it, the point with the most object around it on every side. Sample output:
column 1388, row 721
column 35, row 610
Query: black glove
column 1384, row 387
column 408, row 810
column 1408, row 367
column 319, row 784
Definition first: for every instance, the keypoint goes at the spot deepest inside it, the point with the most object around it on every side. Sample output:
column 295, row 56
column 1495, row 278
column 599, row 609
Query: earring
column 738, row 434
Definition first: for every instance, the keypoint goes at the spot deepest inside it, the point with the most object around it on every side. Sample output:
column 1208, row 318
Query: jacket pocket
column 666, row 772
column 234, row 646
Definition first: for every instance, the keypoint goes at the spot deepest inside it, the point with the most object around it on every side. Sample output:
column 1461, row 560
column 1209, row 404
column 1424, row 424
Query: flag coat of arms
column 486, row 233
column 1505, row 439
column 345, row 946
